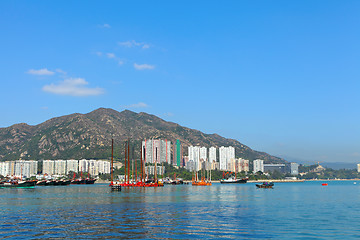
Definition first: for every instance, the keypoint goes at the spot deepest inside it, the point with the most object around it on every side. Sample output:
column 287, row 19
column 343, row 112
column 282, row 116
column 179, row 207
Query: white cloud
column 121, row 62
column 143, row 66
column 133, row 43
column 137, row 105
column 105, row 25
column 61, row 71
column 73, row 87
column 99, row 54
column 110, row 55
column 41, row 72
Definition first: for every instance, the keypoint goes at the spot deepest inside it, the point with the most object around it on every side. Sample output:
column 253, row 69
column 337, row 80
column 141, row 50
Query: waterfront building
column 93, row 168
column 294, row 168
column 156, row 150
column 206, row 165
column 72, row 166
column 60, row 167
column 185, row 160
column 190, row 165
column 178, row 153
column 225, row 155
column 244, row 165
column 231, row 165
column 203, row 154
column 358, row 167
column 104, row 167
column 212, row 154
column 48, row 167
column 5, row 169
column 258, row 165
column 194, row 155
column 150, row 170
column 18, row 168
column 83, row 165
column 274, row 167
column 215, row 165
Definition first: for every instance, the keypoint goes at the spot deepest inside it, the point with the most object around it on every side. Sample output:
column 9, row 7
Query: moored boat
column 265, row 185
column 41, row 183
column 78, row 181
column 234, row 180
column 18, row 184
column 90, row 181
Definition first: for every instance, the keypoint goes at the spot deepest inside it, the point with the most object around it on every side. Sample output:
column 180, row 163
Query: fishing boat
column 64, row 182
column 265, row 185
column 233, row 180
column 41, row 183
column 90, row 180
column 18, row 184
column 78, row 181
column 202, row 182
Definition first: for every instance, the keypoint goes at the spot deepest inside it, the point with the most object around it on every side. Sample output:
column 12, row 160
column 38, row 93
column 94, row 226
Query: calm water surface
column 289, row 211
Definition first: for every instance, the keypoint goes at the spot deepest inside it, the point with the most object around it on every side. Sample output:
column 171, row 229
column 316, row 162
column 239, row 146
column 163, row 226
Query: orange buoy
column 324, row 184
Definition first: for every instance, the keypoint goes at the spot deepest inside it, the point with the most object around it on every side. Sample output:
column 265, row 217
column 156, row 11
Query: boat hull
column 269, row 185
column 25, row 184
column 233, row 181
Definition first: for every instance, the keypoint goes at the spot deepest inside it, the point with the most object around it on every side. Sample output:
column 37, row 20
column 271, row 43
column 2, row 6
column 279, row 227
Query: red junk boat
column 134, row 182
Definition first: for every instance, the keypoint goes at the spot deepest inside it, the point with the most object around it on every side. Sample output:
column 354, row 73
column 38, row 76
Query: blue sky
column 279, row 76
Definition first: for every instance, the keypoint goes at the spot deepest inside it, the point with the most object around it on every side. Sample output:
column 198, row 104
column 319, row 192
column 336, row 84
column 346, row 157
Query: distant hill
column 89, row 135
column 339, row 165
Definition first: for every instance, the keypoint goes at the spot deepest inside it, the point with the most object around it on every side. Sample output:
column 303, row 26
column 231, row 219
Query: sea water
column 305, row 210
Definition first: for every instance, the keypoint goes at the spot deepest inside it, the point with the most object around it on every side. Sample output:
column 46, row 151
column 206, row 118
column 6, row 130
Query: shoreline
column 263, row 180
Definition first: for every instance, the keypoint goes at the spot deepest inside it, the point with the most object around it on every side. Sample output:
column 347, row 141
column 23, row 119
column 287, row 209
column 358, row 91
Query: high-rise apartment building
column 212, row 154
column 48, row 167
column 226, row 154
column 19, row 168
column 194, row 155
column 156, row 150
column 243, row 165
column 83, row 165
column 60, row 167
column 93, row 168
column 5, row 169
column 294, row 168
column 72, row 166
column 203, row 154
column 258, row 165
column 150, row 170
column 178, row 153
column 104, row 167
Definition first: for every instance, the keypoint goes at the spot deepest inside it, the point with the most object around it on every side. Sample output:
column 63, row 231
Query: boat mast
column 235, row 168
column 132, row 156
column 135, row 171
column 112, row 160
column 155, row 174
column 141, row 162
column 125, row 163
column 128, row 155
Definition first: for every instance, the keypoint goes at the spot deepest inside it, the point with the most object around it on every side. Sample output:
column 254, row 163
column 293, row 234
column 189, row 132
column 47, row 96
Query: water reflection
column 219, row 211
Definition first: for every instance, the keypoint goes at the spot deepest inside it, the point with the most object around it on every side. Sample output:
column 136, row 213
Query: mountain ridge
column 89, row 136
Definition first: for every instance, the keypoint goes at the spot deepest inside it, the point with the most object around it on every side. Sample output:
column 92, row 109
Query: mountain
column 77, row 136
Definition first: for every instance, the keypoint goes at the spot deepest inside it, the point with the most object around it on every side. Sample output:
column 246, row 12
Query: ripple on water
column 290, row 211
